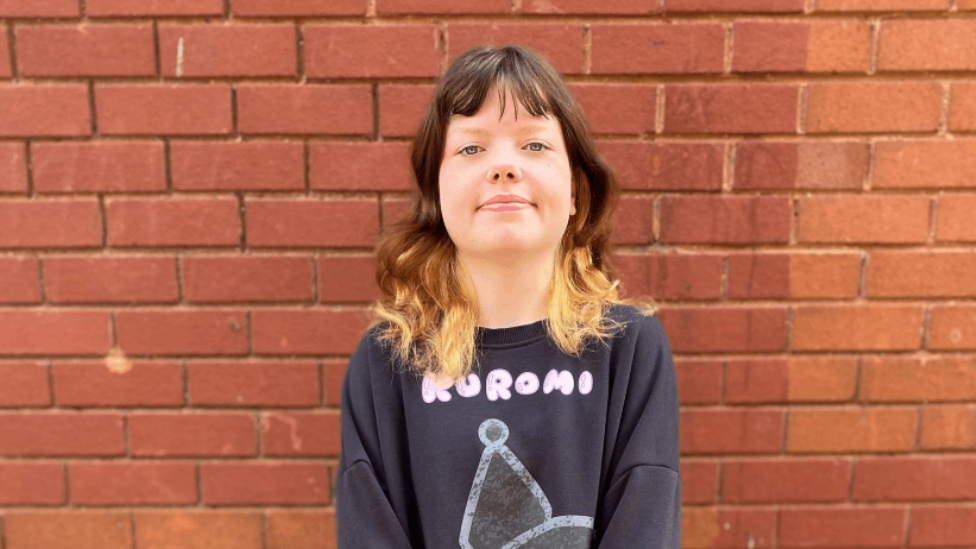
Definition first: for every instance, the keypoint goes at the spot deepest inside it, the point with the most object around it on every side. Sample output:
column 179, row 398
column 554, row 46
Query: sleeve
column 642, row 504
column 365, row 518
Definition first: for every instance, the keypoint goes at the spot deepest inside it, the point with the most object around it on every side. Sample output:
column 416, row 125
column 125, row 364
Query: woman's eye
column 472, row 148
column 541, row 148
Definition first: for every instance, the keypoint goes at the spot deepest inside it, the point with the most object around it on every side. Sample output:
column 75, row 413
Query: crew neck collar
column 495, row 337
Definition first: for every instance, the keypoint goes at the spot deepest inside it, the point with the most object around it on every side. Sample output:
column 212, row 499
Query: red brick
column 268, row 483
column 183, row 331
column 699, row 481
column 68, row 529
column 942, row 525
column 5, row 69
column 933, row 44
column 401, row 108
column 671, row 276
column 255, row 165
column 903, row 379
column 193, row 434
column 647, row 165
column 228, row 49
column 45, row 223
column 130, row 8
column 873, row 107
column 952, row 327
column 333, row 51
column 962, row 106
column 735, row 5
column 261, row 383
column 617, row 108
column 856, row 327
column 311, row 222
column 699, row 382
column 25, row 384
column 399, row 7
column 756, row 381
column 560, row 44
column 839, row 46
column 759, row 276
column 308, row 331
column 731, row 431
column 39, row 8
column 301, row 528
column 86, row 50
column 343, row 278
column 875, row 526
column 199, row 529
column 786, row 480
column 867, row 218
column 726, row 329
column 61, row 433
column 133, row 483
column 586, row 7
column 770, row 47
column 89, row 383
column 20, row 279
column 924, row 164
column 34, row 110
column 821, row 378
column 248, row 278
column 766, row 165
column 166, row 109
column 832, row 165
column 30, row 484
column 298, row 8
column 728, row 527
column 634, row 216
column 305, row 109
column 117, row 279
column 335, row 165
column 914, row 478
column 949, row 427
column 835, row 275
column 175, row 221
column 13, row 168
column 725, row 219
column 42, row 332
column 895, row 273
column 731, row 108
column 953, row 218
column 301, row 434
column 98, row 166
column 882, row 5
column 334, row 372
column 851, row 430
column 672, row 48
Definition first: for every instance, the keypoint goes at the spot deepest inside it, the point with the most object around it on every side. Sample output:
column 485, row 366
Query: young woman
column 507, row 397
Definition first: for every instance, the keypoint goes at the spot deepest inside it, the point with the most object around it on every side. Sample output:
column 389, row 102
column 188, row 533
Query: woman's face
column 485, row 157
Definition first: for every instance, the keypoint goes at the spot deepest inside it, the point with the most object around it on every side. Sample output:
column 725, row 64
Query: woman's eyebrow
column 531, row 128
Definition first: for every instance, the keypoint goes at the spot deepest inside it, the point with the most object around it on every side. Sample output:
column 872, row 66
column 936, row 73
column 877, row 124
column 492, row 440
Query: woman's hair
column 430, row 313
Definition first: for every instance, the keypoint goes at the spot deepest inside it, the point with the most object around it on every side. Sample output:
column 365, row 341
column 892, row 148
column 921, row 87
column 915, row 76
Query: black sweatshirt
column 537, row 449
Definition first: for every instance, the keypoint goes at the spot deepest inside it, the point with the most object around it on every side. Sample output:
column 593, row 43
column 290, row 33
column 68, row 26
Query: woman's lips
column 506, row 207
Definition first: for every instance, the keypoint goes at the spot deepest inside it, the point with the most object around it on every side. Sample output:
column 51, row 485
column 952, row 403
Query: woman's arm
column 642, row 505
column 365, row 518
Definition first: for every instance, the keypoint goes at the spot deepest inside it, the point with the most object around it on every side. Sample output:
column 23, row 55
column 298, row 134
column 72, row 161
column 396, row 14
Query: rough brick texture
column 190, row 193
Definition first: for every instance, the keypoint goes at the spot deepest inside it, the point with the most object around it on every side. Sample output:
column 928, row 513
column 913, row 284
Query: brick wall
column 190, row 191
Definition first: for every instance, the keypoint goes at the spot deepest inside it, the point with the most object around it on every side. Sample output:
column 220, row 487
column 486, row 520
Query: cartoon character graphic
column 507, row 509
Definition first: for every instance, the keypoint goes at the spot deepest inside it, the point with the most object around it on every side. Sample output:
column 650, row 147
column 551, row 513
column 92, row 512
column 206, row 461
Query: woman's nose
column 504, row 171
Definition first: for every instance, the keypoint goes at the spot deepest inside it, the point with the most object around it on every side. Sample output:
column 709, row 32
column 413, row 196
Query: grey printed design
column 507, row 508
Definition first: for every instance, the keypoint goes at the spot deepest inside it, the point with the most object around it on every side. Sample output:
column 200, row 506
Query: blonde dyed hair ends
column 430, row 313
